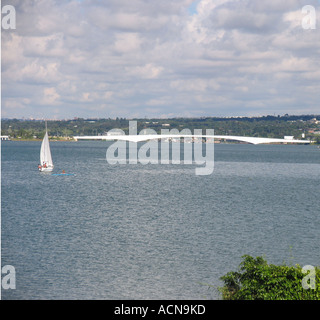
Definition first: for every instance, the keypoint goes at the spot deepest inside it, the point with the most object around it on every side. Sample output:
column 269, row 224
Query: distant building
column 315, row 121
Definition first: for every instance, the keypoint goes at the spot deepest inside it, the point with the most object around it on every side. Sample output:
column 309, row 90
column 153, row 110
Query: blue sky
column 142, row 58
column 192, row 9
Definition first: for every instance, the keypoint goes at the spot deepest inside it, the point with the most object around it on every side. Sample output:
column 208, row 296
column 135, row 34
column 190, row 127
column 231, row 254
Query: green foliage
column 258, row 280
column 267, row 126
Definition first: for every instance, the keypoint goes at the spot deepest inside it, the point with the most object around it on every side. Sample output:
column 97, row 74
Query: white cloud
column 48, row 46
column 38, row 73
column 148, row 71
column 127, row 42
column 50, row 96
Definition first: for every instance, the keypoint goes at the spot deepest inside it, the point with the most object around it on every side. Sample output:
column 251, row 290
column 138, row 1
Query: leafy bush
column 258, row 280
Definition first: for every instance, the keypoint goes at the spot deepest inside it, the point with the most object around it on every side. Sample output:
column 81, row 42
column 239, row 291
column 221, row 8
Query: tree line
column 267, row 126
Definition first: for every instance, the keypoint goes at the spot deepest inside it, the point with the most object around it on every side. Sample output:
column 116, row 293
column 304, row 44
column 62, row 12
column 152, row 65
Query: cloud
column 148, row 71
column 127, row 42
column 50, row 96
column 137, row 58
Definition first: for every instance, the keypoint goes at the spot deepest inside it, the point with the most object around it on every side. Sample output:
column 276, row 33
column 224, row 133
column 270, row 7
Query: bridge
column 146, row 137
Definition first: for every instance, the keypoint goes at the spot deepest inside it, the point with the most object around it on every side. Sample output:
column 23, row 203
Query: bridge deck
column 146, row 137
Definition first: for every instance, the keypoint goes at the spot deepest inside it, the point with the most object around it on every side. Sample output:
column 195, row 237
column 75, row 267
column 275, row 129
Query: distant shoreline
column 25, row 140
column 72, row 140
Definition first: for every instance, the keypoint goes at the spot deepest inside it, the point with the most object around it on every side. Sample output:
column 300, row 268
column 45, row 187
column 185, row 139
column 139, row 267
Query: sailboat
column 46, row 164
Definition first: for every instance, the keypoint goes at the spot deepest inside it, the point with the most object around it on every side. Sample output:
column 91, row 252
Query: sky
column 160, row 59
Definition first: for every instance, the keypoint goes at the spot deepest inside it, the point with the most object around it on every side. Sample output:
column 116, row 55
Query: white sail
column 45, row 154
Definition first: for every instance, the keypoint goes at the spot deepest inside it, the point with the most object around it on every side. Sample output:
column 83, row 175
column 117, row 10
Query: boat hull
column 48, row 169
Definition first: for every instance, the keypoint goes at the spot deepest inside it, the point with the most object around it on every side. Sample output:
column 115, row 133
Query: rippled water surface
column 152, row 231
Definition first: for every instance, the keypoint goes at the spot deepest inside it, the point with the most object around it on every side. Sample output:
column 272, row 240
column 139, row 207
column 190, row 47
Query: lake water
column 153, row 231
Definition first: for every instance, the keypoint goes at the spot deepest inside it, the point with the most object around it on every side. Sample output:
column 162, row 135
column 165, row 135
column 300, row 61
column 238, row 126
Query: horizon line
column 160, row 118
